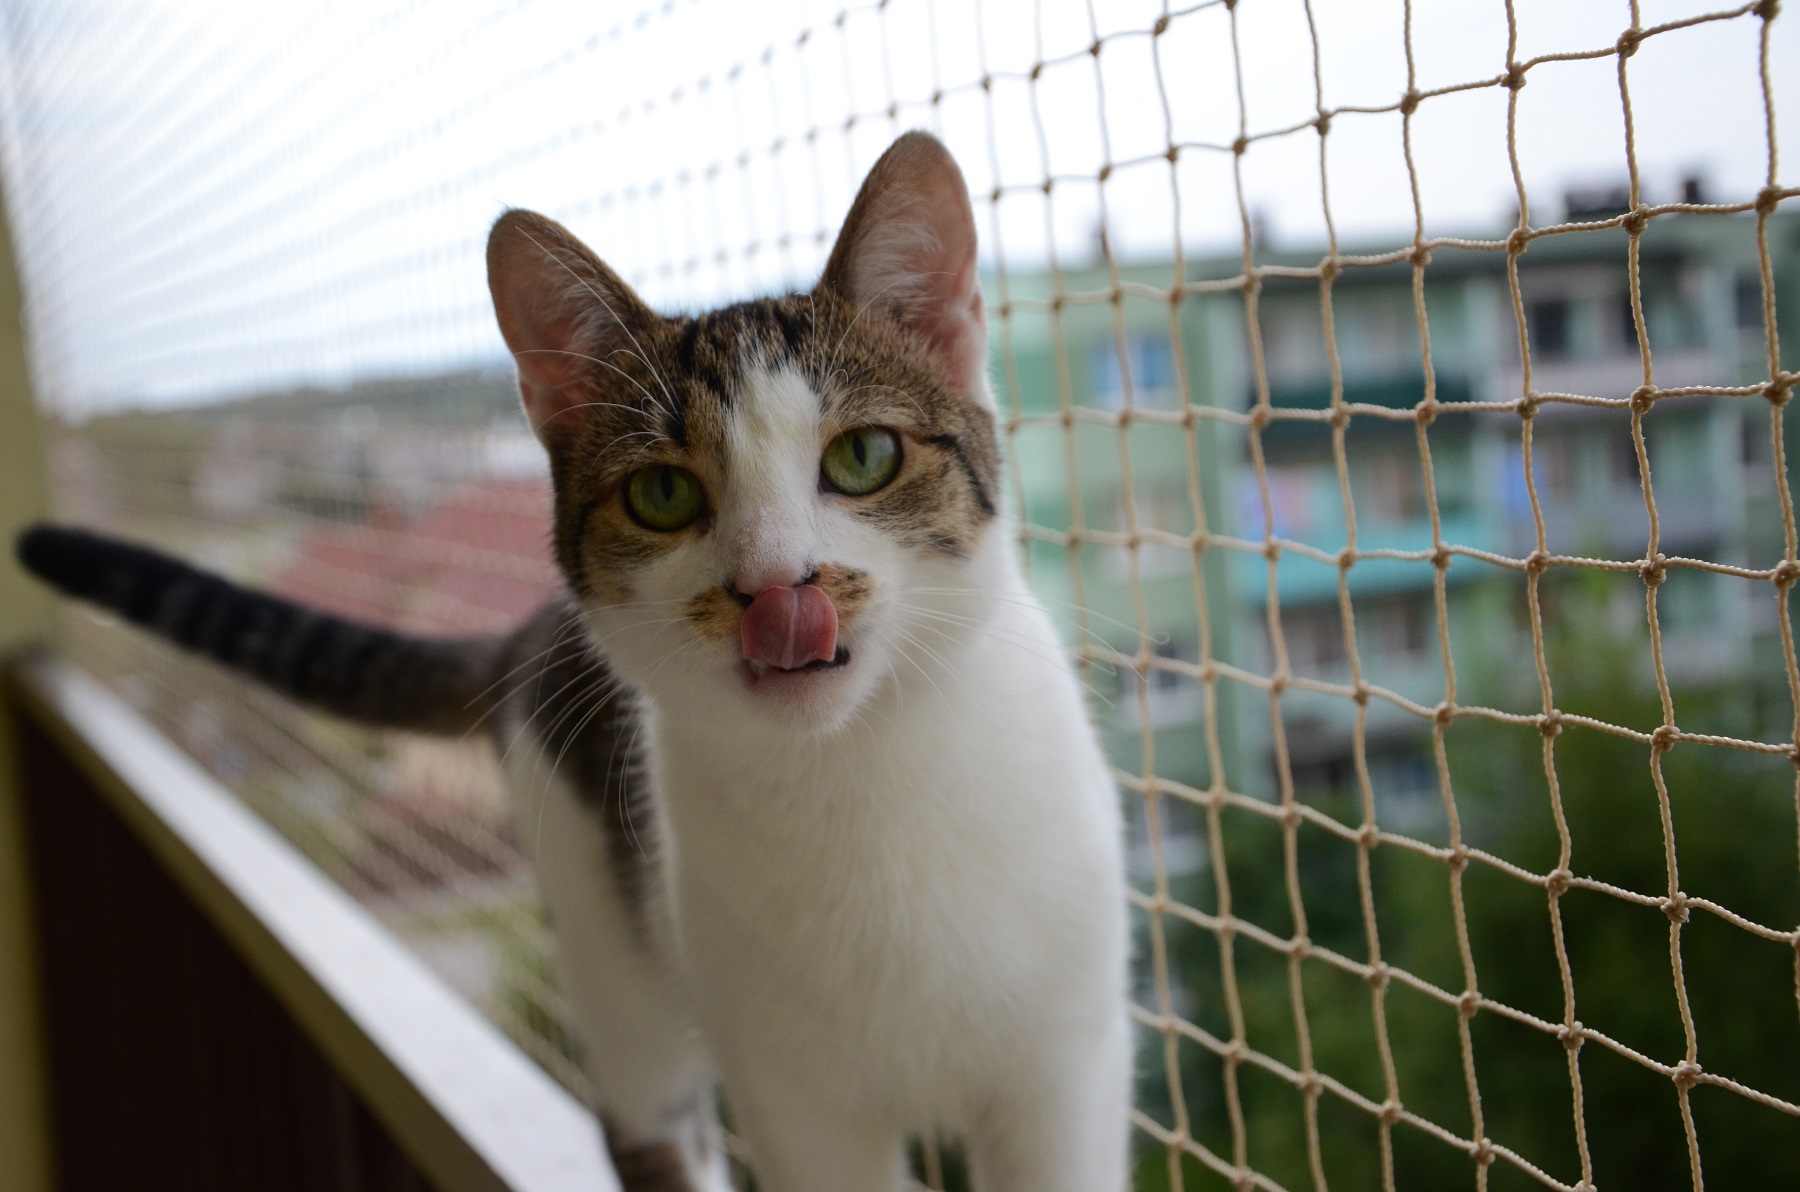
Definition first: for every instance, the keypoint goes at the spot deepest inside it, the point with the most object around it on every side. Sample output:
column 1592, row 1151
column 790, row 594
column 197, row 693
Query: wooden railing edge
column 465, row 1104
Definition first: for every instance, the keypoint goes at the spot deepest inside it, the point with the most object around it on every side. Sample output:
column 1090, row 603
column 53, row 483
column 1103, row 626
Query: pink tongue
column 790, row 627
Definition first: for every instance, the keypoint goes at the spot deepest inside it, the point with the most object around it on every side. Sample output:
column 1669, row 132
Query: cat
column 813, row 797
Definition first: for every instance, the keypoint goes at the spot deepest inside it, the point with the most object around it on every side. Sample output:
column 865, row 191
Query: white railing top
column 472, row 1112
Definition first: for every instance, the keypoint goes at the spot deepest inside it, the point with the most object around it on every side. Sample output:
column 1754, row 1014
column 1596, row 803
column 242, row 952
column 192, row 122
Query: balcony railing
column 221, row 1016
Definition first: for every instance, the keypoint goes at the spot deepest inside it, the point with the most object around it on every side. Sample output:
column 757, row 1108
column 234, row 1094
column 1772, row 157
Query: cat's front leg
column 803, row 1142
column 1061, row 1122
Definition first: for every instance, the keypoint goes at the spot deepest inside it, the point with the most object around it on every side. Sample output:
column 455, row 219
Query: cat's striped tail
column 438, row 685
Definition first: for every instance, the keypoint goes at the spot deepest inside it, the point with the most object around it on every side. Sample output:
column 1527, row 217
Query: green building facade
column 1105, row 377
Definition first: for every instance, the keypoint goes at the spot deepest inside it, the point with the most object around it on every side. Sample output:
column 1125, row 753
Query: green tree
column 1732, row 816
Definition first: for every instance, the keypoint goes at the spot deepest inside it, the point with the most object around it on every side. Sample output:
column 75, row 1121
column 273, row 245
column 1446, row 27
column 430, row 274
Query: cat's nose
column 751, row 580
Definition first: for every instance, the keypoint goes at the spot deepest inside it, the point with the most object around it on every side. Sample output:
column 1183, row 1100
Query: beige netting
column 252, row 249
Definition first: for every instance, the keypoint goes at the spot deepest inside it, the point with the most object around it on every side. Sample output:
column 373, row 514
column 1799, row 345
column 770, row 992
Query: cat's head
column 770, row 509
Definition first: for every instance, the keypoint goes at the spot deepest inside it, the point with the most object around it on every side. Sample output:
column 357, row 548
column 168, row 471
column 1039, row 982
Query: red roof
column 478, row 562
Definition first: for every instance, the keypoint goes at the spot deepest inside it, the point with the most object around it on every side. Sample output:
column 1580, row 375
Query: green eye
column 861, row 461
column 662, row 497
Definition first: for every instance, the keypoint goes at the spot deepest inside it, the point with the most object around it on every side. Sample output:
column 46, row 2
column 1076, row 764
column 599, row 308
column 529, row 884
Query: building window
column 1376, row 336
column 1758, row 451
column 1392, row 489
column 1547, row 323
column 1623, row 461
column 1293, row 339
column 1314, row 636
column 1298, row 499
column 1556, row 468
column 1173, row 697
column 1400, row 629
column 1152, row 371
column 1165, row 506
column 1747, row 303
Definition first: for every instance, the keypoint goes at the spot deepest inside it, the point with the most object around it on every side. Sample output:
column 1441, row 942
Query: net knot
column 1443, row 714
column 1557, row 882
column 1095, row 48
column 1572, row 1034
column 1299, row 947
column 1037, row 71
column 1278, row 684
column 1426, row 412
column 1767, row 199
column 1241, row 146
column 1390, row 1112
column 1173, row 154
column 1340, row 417
column 1361, row 693
column 1550, row 723
column 1537, row 562
column 1368, row 836
column 1409, row 103
column 1421, row 255
column 1686, row 1074
column 1323, row 124
column 1780, row 389
column 1636, row 220
column 1161, row 27
column 1458, row 860
column 1515, row 76
column 1272, row 551
column 1105, row 172
column 1517, row 240
column 1290, row 818
column 1664, row 738
column 1440, row 558
column 1330, row 268
column 1676, row 908
column 1259, row 418
column 1768, row 9
column 1786, row 572
column 1311, row 1085
column 1484, row 1153
column 1346, row 558
column 1057, row 301
column 1049, row 185
column 1468, row 1004
column 987, row 82
column 1642, row 398
column 1629, row 42
column 1654, row 571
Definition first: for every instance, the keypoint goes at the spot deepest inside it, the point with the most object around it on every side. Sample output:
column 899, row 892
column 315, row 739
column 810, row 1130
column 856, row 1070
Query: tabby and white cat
column 812, row 795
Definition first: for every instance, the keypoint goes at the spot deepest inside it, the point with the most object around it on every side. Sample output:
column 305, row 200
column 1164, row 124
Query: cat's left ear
column 908, row 248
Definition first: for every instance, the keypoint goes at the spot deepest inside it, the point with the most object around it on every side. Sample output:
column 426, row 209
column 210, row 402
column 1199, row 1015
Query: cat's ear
column 908, row 248
column 563, row 314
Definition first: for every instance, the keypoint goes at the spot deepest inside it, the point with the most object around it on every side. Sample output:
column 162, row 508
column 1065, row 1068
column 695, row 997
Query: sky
column 211, row 199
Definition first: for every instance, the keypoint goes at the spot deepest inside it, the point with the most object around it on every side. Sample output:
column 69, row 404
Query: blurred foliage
column 1733, row 819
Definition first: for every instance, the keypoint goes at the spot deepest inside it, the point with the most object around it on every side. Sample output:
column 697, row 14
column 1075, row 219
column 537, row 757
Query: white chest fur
column 901, row 915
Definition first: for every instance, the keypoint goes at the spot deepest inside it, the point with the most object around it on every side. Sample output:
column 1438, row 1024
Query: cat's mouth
column 757, row 671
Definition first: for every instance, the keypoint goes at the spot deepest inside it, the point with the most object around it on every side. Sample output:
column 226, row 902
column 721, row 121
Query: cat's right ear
column 564, row 316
